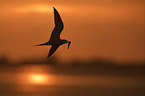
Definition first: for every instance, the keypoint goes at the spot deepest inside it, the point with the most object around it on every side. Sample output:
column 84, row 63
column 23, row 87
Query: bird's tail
column 40, row 44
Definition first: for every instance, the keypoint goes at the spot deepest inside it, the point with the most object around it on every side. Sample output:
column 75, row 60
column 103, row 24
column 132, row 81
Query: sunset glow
column 112, row 30
column 33, row 8
column 40, row 8
column 72, row 47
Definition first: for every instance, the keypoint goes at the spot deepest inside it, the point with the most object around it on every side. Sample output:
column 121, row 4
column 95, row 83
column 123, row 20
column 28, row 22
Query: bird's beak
column 69, row 44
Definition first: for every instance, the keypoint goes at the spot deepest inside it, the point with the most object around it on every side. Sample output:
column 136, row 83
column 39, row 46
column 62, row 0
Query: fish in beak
column 69, row 42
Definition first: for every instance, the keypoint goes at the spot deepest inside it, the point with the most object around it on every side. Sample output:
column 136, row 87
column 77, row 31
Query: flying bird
column 55, row 40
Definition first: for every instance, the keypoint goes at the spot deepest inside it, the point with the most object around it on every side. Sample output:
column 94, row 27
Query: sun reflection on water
column 35, row 75
column 38, row 78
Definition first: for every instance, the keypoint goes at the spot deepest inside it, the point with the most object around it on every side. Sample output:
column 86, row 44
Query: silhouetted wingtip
column 48, row 56
column 54, row 8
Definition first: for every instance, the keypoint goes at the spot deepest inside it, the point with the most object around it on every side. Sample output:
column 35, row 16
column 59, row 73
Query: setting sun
column 38, row 79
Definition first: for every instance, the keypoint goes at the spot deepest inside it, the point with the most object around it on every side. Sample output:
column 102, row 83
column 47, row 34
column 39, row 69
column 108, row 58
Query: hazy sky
column 109, row 29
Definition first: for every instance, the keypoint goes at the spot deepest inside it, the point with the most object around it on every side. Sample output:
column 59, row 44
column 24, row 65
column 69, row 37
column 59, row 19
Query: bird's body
column 55, row 40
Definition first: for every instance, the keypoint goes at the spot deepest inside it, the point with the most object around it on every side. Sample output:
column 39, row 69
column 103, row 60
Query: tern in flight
column 55, row 40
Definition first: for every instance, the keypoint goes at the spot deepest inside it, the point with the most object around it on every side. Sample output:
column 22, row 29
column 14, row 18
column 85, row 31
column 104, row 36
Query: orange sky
column 110, row 29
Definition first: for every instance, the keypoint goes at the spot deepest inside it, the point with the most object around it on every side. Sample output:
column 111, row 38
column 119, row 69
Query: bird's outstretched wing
column 53, row 49
column 58, row 26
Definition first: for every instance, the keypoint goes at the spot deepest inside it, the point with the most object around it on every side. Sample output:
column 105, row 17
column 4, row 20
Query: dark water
column 71, row 81
column 8, row 90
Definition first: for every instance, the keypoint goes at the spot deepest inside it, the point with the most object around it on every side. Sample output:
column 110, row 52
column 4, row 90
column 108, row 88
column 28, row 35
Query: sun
column 38, row 79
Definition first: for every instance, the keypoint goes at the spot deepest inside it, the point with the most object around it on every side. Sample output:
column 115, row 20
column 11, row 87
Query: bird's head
column 63, row 41
column 69, row 42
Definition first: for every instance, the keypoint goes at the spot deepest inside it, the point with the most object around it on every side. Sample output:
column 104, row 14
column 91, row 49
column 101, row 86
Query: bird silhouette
column 55, row 40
